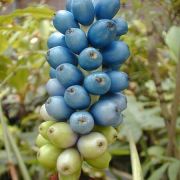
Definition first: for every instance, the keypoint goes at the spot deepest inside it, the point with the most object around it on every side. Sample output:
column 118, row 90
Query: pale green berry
column 41, row 141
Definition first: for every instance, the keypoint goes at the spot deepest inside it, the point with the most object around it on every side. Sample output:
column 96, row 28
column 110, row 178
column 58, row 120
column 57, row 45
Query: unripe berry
column 44, row 114
column 74, row 176
column 69, row 162
column 101, row 162
column 47, row 156
column 109, row 132
column 92, row 145
column 61, row 135
column 41, row 141
column 44, row 127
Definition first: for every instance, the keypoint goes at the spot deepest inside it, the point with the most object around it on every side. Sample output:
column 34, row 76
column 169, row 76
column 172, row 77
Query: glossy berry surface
column 52, row 73
column 68, row 5
column 47, row 156
column 121, row 25
column 121, row 78
column 105, row 112
column 81, row 122
column 118, row 98
column 69, row 162
column 101, row 33
column 76, row 40
column 83, row 11
column 57, row 108
column 92, row 145
column 63, row 20
column 69, row 75
column 77, row 97
column 55, row 88
column 59, row 55
column 106, row 9
column 61, row 135
column 121, row 51
column 90, row 59
column 97, row 83
column 56, row 39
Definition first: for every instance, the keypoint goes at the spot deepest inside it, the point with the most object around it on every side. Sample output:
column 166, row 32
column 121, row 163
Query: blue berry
column 106, row 9
column 54, row 88
column 118, row 121
column 90, row 59
column 121, row 25
column 57, row 108
column 81, row 122
column 68, row 5
column 119, row 81
column 69, row 75
column 63, row 20
column 105, row 112
column 97, row 83
column 101, row 33
column 118, row 98
column 77, row 97
column 76, row 40
column 59, row 55
column 83, row 11
column 52, row 73
column 115, row 53
column 56, row 39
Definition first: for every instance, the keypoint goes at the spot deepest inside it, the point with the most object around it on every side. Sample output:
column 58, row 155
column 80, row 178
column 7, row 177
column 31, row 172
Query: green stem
column 10, row 140
column 135, row 162
column 5, row 137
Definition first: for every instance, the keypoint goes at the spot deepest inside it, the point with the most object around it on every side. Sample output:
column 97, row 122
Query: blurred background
column 153, row 114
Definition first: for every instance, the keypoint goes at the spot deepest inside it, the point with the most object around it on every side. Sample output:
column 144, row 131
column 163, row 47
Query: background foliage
column 152, row 119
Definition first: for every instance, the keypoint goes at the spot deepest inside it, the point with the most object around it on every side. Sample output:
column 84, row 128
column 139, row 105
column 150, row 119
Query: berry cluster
column 85, row 103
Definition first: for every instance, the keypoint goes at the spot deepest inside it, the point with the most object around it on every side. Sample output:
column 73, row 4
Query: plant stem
column 10, row 164
column 135, row 162
column 10, row 140
column 17, row 153
column 174, row 113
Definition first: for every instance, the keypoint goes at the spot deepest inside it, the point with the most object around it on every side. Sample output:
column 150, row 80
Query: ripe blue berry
column 52, row 73
column 56, row 39
column 118, row 121
column 59, row 55
column 81, row 122
column 69, row 75
column 115, row 53
column 77, row 97
column 83, row 11
column 90, row 59
column 119, row 81
column 63, row 20
column 76, row 40
column 121, row 25
column 97, row 83
column 118, row 98
column 55, row 88
column 68, row 5
column 106, row 9
column 105, row 112
column 101, row 33
column 57, row 108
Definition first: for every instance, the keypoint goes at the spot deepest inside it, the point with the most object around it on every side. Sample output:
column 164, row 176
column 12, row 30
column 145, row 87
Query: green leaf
column 158, row 174
column 173, row 170
column 135, row 161
column 173, row 40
